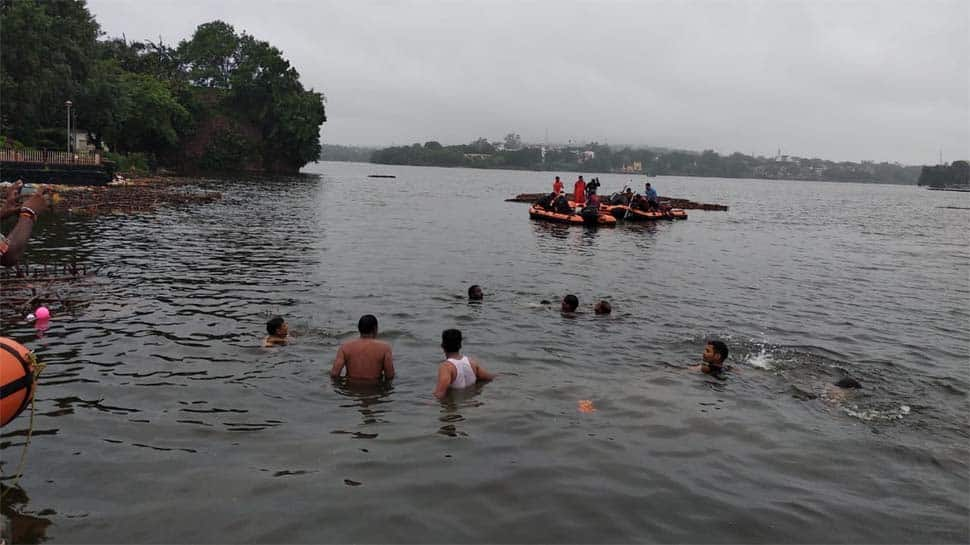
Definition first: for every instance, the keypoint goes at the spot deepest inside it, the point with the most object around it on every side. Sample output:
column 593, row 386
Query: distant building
column 81, row 143
column 633, row 168
column 587, row 155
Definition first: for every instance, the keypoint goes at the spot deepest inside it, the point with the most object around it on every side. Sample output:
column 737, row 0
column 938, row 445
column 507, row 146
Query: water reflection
column 369, row 398
column 555, row 230
column 17, row 526
column 450, row 404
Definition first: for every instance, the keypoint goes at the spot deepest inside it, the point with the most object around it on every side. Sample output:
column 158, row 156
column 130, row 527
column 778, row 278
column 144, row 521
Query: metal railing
column 45, row 157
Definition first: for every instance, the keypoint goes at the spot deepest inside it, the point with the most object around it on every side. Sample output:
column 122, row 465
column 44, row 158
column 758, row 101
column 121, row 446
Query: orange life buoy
column 16, row 379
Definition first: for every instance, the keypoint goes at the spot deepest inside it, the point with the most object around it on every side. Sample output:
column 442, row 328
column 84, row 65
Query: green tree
column 149, row 117
column 211, row 56
column 268, row 89
column 46, row 52
column 480, row 145
column 102, row 101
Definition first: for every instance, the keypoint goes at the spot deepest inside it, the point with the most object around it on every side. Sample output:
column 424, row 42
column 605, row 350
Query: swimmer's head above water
column 715, row 352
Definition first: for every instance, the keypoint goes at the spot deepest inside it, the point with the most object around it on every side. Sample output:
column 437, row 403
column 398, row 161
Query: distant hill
column 594, row 157
column 353, row 154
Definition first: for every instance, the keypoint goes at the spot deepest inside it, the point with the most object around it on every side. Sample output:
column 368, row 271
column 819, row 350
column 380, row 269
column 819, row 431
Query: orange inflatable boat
column 619, row 211
column 602, row 219
column 16, row 379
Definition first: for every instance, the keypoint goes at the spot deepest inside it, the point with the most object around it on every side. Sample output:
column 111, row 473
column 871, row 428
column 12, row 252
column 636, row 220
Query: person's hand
column 38, row 201
column 13, row 192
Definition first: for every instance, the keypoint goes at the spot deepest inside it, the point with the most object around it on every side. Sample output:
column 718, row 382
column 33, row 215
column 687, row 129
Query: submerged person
column 569, row 304
column 457, row 371
column 278, row 330
column 475, row 293
column 715, row 352
column 365, row 358
column 603, row 307
column 839, row 390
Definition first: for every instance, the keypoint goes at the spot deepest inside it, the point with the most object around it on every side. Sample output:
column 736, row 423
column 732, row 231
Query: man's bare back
column 365, row 358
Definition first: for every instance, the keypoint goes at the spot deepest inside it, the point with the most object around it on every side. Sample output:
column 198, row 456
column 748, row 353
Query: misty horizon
column 859, row 81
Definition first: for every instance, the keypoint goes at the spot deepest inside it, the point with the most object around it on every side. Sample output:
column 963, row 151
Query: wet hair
column 720, row 349
column 367, row 325
column 848, row 382
column 273, row 324
column 648, row 184
column 603, row 307
column 471, row 291
column 571, row 301
column 451, row 340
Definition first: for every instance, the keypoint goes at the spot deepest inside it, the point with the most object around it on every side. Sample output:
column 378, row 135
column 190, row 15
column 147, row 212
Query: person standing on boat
column 579, row 192
column 651, row 195
column 557, row 186
column 592, row 186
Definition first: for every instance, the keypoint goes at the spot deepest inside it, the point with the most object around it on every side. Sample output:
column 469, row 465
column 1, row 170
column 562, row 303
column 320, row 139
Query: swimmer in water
column 715, row 352
column 603, row 307
column 279, row 332
column 839, row 390
column 475, row 293
column 569, row 304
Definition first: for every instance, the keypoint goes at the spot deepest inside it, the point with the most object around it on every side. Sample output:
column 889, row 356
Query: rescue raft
column 601, row 219
column 624, row 212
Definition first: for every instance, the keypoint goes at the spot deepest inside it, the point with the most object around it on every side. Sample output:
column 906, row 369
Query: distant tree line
column 355, row 154
column 956, row 174
column 218, row 101
column 595, row 157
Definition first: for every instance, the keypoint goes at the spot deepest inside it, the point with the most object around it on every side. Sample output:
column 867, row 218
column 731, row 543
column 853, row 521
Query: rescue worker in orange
column 557, row 186
column 579, row 192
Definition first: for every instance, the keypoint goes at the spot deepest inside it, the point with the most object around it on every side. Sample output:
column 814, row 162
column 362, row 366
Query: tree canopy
column 179, row 104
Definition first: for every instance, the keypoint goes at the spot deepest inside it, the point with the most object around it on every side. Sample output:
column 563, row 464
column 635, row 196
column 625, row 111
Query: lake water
column 160, row 419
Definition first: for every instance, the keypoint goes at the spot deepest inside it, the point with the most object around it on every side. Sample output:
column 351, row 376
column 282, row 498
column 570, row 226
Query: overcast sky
column 883, row 80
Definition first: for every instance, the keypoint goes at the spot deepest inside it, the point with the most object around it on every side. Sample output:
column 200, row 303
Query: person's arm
column 338, row 363
column 10, row 206
column 17, row 239
column 388, row 366
column 480, row 372
column 446, row 375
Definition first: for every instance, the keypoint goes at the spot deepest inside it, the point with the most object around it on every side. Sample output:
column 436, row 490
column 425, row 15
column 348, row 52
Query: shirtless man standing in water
column 366, row 358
